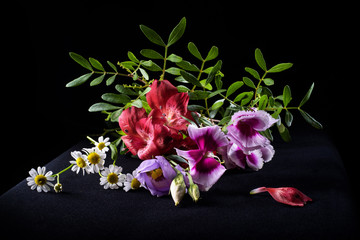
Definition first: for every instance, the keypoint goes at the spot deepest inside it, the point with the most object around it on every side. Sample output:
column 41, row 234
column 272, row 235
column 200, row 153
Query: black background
column 44, row 118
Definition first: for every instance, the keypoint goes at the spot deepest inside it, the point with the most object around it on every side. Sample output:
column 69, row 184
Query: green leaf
column 101, row 106
column 207, row 86
column 80, row 60
column 97, row 80
column 268, row 81
column 114, row 117
column 233, row 87
column 116, row 98
column 218, row 82
column 284, row 132
column 114, row 152
column 214, row 71
column 212, row 54
column 195, row 108
column 194, row 51
column 216, row 92
column 152, row 54
column 182, row 88
column 244, row 97
column 280, row 67
column 80, row 80
column 288, row 118
column 127, row 91
column 110, row 80
column 260, row 59
column 177, row 32
column 132, row 57
column 174, row 58
column 137, row 103
column 286, row 95
column 96, row 64
column 173, row 70
column 253, row 72
column 309, row 119
column 217, row 104
column 249, row 82
column 152, row 35
column 307, row 96
column 263, row 102
column 144, row 73
column 112, row 65
column 190, row 78
column 188, row 66
column 198, row 95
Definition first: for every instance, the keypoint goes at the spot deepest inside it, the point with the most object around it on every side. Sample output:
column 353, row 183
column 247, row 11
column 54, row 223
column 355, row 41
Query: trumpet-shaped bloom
column 234, row 156
column 244, row 131
column 156, row 175
column 287, row 195
column 205, row 169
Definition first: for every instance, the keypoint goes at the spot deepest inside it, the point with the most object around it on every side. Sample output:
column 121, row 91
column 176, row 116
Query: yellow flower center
column 155, row 174
column 80, row 162
column 101, row 146
column 135, row 184
column 40, row 180
column 112, row 178
column 94, row 158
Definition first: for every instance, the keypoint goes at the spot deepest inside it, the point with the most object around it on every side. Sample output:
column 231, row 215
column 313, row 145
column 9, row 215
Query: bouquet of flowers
column 176, row 116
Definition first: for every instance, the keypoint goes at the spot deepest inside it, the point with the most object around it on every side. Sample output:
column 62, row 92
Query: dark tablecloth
column 310, row 163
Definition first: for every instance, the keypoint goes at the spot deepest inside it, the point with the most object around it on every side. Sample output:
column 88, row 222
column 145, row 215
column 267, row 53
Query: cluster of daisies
column 90, row 160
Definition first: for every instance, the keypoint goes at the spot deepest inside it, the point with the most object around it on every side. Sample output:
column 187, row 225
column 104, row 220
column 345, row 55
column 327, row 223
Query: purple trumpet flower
column 205, row 166
column 156, row 175
column 244, row 131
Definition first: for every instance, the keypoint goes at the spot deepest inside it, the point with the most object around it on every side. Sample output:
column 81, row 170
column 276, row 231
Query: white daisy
column 102, row 144
column 131, row 182
column 40, row 179
column 112, row 177
column 96, row 158
column 80, row 162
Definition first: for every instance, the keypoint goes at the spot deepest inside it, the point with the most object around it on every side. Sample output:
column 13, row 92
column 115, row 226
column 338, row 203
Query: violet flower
column 244, row 131
column 205, row 168
column 156, row 175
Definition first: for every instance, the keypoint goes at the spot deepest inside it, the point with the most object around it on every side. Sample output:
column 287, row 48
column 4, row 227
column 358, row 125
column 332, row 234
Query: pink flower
column 244, row 131
column 205, row 168
column 287, row 195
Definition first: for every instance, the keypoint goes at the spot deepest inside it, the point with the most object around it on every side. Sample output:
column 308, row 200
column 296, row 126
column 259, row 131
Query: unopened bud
column 178, row 188
column 194, row 192
column 58, row 187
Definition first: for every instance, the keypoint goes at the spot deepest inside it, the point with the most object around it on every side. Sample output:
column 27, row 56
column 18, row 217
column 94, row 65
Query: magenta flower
column 205, row 168
column 244, row 131
column 234, row 156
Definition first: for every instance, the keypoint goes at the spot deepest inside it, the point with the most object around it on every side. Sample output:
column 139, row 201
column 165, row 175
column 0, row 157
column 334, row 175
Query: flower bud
column 58, row 187
column 194, row 192
column 178, row 188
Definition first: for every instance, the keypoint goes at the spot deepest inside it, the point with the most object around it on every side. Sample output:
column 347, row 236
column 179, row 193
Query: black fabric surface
column 84, row 209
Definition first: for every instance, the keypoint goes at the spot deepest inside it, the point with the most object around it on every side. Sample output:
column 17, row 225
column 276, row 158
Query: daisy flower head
column 112, row 177
column 102, row 144
column 96, row 158
column 40, row 179
column 131, row 182
column 81, row 162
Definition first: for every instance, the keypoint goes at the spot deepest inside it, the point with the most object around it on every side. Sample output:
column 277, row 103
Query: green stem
column 261, row 79
column 64, row 170
column 200, row 72
column 113, row 73
column 164, row 67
